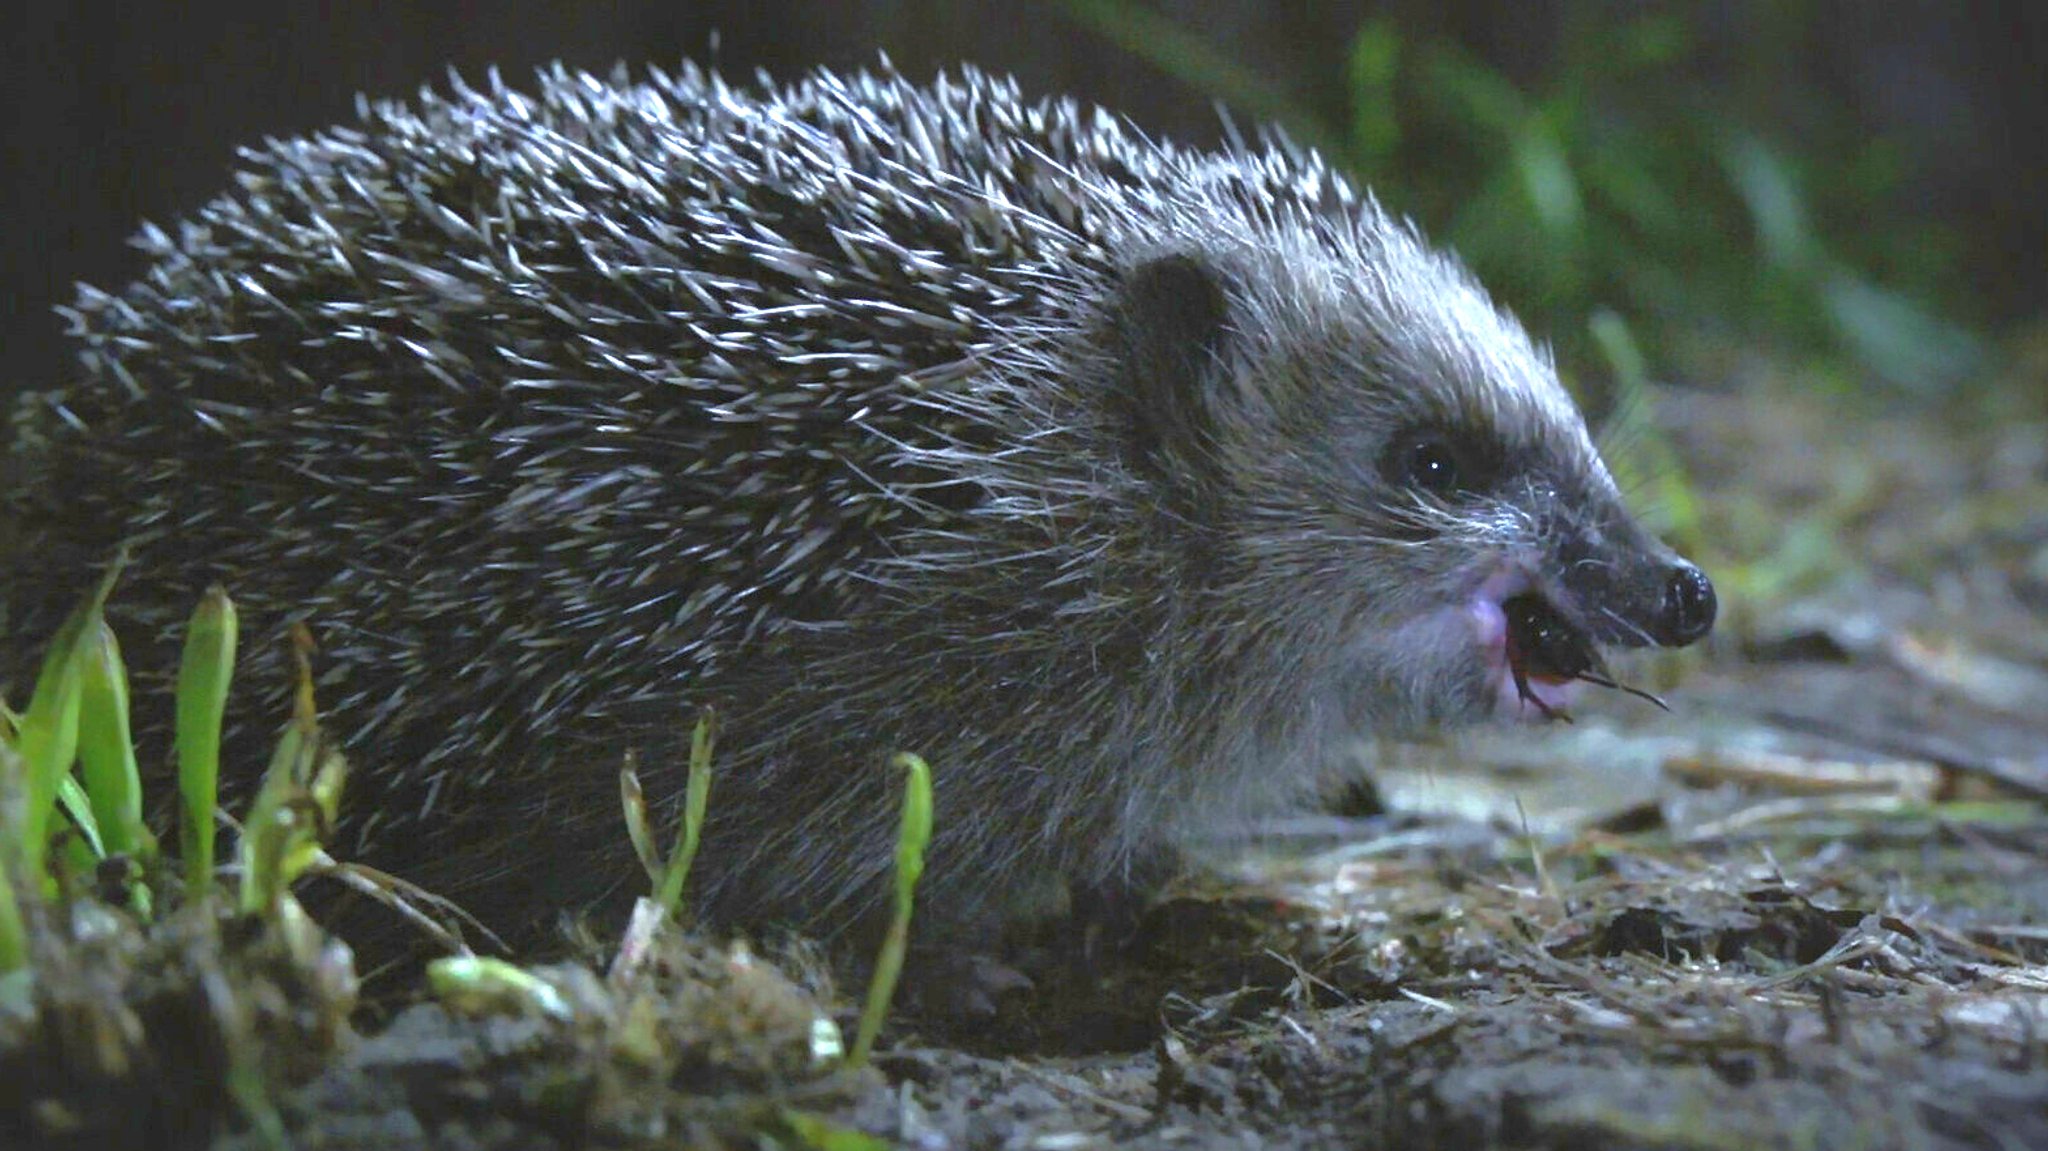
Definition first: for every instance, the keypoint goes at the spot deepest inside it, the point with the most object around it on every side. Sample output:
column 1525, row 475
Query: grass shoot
column 914, row 835
column 206, row 667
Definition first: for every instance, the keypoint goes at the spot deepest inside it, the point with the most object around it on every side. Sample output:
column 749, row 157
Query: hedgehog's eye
column 1428, row 461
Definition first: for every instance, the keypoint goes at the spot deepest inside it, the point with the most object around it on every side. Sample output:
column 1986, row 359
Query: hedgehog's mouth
column 1536, row 652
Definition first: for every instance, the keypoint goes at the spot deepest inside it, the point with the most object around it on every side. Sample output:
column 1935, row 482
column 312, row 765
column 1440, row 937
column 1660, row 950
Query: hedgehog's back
column 550, row 417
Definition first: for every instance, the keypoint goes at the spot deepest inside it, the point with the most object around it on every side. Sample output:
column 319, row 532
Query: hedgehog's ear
column 1172, row 329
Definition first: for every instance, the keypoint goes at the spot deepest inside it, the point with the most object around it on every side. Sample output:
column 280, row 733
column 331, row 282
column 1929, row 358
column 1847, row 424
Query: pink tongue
column 1553, row 694
column 1490, row 626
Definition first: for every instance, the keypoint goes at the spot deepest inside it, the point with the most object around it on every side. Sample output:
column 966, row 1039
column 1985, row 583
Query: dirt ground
column 1806, row 908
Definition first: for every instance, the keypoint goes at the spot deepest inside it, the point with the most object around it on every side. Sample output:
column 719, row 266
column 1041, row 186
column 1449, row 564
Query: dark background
column 121, row 112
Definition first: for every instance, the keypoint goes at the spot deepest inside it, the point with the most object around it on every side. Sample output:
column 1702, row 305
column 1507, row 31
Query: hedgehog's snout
column 1685, row 613
column 1625, row 588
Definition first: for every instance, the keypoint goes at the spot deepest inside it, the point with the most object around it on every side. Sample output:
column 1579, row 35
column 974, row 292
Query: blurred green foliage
column 1642, row 176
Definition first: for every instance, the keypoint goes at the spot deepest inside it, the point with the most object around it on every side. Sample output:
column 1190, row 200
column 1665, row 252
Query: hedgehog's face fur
column 1359, row 431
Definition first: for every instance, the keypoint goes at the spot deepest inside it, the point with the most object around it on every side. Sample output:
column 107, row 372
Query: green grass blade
column 639, row 827
column 1777, row 208
column 913, row 837
column 267, row 827
column 106, row 750
column 916, row 834
column 696, row 798
column 297, row 801
column 47, row 740
column 72, row 798
column 1371, row 71
column 204, row 671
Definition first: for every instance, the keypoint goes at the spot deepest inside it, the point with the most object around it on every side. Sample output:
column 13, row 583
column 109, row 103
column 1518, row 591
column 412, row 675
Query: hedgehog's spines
column 877, row 414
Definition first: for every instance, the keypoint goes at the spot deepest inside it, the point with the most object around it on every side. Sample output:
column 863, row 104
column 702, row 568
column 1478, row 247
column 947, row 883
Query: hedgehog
column 1129, row 484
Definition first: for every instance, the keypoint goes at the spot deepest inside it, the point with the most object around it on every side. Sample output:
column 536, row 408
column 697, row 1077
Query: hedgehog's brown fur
column 878, row 415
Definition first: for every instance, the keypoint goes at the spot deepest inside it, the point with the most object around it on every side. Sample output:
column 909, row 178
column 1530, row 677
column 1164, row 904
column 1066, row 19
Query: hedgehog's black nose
column 1687, row 611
